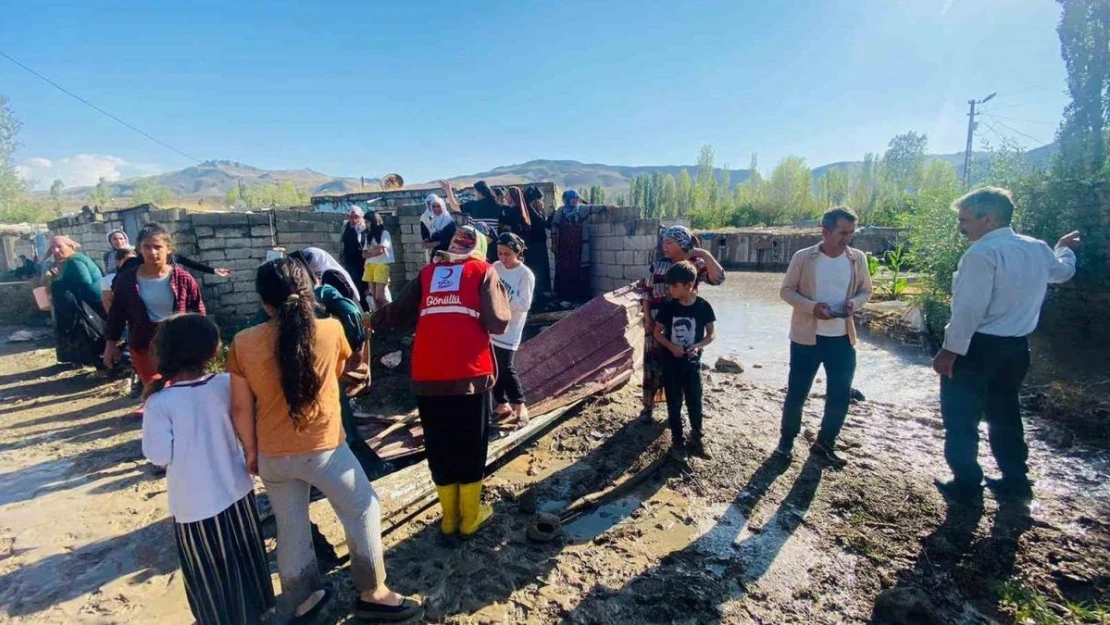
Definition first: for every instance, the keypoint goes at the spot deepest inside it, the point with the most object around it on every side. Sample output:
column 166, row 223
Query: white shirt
column 386, row 256
column 106, row 282
column 157, row 296
column 834, row 276
column 519, row 282
column 1000, row 284
column 187, row 429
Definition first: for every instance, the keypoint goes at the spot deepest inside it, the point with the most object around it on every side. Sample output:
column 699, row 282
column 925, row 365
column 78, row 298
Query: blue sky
column 432, row 88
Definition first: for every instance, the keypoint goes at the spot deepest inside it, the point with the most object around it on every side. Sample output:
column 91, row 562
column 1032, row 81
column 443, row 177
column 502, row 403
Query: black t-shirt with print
column 685, row 325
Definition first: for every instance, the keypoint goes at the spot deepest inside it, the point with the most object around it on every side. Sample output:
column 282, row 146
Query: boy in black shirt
column 683, row 326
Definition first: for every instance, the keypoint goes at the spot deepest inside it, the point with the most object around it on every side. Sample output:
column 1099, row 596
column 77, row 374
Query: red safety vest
column 451, row 342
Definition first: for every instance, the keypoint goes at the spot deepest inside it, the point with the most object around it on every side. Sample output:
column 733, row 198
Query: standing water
column 753, row 326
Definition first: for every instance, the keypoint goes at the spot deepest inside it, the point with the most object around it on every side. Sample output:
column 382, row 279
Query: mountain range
column 213, row 179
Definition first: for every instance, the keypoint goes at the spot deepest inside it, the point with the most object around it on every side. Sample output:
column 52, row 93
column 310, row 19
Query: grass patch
column 1026, row 605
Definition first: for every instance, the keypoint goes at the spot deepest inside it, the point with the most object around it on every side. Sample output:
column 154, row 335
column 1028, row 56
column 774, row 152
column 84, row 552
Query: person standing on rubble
column 458, row 301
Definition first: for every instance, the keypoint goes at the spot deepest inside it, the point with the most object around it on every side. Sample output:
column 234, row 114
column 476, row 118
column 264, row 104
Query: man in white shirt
column 824, row 284
column 997, row 293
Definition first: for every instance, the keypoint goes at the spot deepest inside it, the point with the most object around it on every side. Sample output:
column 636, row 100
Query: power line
column 99, row 110
column 1014, row 106
column 1022, row 119
column 1012, row 129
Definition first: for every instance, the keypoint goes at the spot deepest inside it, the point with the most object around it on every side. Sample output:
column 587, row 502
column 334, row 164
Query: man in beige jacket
column 824, row 284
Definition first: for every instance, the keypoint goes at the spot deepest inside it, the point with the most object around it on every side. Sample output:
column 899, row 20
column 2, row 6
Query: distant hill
column 213, row 179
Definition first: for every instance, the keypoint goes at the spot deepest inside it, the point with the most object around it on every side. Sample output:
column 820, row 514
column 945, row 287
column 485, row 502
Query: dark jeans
column 839, row 357
column 986, row 381
column 507, row 389
column 456, row 436
column 682, row 379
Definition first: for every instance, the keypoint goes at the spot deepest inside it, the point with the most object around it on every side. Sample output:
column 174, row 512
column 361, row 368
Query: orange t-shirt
column 253, row 356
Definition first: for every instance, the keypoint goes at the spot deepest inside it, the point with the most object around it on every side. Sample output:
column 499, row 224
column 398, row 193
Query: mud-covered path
column 84, row 534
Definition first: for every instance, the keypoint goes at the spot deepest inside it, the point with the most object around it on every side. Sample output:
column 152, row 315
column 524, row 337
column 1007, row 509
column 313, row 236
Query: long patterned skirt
column 223, row 560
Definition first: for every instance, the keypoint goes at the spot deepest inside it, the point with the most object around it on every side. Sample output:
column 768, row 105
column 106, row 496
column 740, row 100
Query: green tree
column 56, row 194
column 863, row 191
column 13, row 191
column 904, row 161
column 1084, row 32
column 832, row 188
column 147, row 191
column 102, row 193
column 790, row 192
column 685, row 194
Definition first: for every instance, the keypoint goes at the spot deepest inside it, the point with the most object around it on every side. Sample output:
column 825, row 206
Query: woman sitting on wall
column 145, row 297
column 78, row 310
column 457, row 302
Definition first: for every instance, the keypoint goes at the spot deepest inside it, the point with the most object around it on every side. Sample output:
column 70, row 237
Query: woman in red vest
column 458, row 302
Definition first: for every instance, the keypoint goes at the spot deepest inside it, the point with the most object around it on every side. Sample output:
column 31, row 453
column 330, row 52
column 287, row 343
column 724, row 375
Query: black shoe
column 646, row 417
column 378, row 613
column 1019, row 490
column 785, row 449
column 678, row 449
column 696, row 447
column 827, row 453
column 960, row 492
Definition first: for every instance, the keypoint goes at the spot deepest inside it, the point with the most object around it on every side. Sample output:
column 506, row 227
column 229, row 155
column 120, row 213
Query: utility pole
column 970, row 136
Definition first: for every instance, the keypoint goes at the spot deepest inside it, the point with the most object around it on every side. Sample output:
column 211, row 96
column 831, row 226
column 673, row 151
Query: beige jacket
column 800, row 287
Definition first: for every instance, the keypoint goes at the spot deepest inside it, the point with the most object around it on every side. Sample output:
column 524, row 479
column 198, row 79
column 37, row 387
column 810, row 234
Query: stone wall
column 772, row 248
column 622, row 246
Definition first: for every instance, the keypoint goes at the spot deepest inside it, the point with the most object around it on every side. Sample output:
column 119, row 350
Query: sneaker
column 696, row 447
column 960, row 493
column 1020, row 490
column 646, row 416
column 828, row 453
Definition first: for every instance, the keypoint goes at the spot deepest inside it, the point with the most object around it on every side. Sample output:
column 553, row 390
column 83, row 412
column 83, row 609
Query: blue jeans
column 986, row 382
column 839, row 357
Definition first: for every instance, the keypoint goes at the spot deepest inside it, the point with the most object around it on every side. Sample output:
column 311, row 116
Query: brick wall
column 621, row 247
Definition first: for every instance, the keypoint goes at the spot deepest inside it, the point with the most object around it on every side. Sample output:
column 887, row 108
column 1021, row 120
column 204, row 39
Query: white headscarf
column 320, row 261
column 434, row 223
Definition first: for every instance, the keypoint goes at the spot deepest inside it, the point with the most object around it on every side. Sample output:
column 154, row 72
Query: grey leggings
column 338, row 475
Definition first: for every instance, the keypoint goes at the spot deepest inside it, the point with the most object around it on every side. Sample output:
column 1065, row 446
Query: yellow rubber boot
column 449, row 501
column 474, row 512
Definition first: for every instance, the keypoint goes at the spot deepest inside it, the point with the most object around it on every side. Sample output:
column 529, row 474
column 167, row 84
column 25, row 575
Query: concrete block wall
column 772, row 248
column 622, row 246
column 396, row 200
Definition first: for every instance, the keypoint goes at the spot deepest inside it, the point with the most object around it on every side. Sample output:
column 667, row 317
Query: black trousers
column 456, row 436
column 838, row 356
column 507, row 389
column 682, row 380
column 986, row 381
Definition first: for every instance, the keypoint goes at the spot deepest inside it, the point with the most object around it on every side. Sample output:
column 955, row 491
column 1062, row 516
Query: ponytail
column 286, row 285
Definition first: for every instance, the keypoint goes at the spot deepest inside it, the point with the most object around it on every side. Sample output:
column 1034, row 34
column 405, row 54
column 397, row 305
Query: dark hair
column 286, row 285
column 123, row 254
column 531, row 194
column 151, row 231
column 483, row 188
column 374, row 226
column 499, row 193
column 183, row 343
column 302, row 257
column 994, row 200
column 835, row 214
column 682, row 272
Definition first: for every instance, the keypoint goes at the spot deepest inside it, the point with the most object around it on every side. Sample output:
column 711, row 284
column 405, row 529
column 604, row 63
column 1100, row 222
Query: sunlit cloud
column 81, row 170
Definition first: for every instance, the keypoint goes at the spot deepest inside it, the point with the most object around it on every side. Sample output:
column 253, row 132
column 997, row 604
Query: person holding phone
column 825, row 284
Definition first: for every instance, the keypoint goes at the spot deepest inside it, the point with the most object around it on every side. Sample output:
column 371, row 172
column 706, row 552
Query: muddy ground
column 740, row 538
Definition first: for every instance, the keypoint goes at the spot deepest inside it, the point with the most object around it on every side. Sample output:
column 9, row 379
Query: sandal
column 376, row 612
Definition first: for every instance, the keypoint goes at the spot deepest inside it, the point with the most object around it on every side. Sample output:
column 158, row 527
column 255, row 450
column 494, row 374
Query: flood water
column 753, row 326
